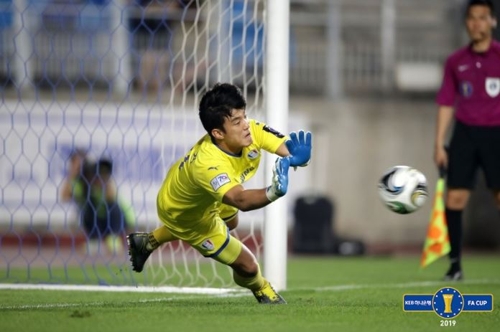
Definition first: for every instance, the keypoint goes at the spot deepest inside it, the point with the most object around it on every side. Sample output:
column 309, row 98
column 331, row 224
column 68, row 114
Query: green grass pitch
column 323, row 294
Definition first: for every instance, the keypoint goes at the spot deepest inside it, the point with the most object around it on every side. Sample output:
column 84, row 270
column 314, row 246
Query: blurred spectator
column 77, row 160
column 104, row 216
column 151, row 25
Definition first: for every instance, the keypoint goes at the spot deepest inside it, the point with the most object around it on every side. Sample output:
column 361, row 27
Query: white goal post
column 276, row 106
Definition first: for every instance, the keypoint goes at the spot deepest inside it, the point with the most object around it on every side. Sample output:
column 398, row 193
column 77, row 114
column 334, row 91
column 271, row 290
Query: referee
column 469, row 95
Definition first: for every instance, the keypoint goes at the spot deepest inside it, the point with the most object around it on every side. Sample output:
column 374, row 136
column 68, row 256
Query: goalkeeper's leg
column 141, row 245
column 246, row 272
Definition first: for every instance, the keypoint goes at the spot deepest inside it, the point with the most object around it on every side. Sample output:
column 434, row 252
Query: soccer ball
column 403, row 189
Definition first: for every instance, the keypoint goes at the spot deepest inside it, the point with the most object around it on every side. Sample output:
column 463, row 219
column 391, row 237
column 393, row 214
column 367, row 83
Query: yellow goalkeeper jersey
column 193, row 189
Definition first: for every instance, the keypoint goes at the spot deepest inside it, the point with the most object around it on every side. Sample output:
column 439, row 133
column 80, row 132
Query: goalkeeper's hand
column 279, row 184
column 300, row 147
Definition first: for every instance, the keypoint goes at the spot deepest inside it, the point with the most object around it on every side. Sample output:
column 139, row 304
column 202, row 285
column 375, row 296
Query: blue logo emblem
column 448, row 302
column 253, row 154
column 466, row 89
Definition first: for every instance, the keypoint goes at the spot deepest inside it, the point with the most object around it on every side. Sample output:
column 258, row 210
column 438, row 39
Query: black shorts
column 473, row 147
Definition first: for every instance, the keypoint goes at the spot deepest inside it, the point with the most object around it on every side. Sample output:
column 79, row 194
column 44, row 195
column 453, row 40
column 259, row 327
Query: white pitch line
column 403, row 285
column 101, row 304
column 221, row 293
column 131, row 289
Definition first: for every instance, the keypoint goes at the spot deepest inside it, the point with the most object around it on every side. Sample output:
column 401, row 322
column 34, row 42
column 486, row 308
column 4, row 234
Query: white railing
column 422, row 32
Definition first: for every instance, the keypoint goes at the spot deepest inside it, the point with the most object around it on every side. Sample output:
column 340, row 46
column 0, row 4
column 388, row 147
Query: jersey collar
column 226, row 152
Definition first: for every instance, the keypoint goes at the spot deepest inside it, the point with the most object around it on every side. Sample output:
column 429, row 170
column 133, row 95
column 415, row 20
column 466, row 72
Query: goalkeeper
column 203, row 191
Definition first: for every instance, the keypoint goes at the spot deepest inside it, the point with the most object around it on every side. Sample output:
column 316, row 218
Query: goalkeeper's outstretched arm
column 297, row 148
column 252, row 199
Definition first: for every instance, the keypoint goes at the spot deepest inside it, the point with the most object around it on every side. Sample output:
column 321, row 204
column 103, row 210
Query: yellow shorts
column 211, row 239
column 228, row 212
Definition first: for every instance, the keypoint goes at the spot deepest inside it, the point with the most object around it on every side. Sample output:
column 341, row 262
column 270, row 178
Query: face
column 236, row 133
column 479, row 23
column 76, row 163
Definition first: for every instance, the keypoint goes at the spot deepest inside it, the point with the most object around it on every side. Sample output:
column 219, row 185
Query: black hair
column 105, row 166
column 102, row 167
column 218, row 103
column 487, row 3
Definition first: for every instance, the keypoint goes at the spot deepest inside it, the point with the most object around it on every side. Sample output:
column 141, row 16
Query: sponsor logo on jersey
column 207, row 245
column 273, row 131
column 466, row 89
column 253, row 154
column 463, row 67
column 245, row 173
column 214, row 168
column 492, row 86
column 219, row 181
column 184, row 161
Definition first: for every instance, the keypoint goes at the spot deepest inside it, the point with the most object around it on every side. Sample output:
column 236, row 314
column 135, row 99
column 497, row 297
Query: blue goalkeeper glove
column 279, row 184
column 300, row 147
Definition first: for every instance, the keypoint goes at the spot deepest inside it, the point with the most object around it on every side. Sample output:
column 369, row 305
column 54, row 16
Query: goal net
column 119, row 80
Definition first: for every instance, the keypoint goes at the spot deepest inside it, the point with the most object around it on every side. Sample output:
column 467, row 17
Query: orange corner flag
column 437, row 242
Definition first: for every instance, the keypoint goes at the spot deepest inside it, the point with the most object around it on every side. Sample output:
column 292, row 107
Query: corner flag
column 437, row 242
